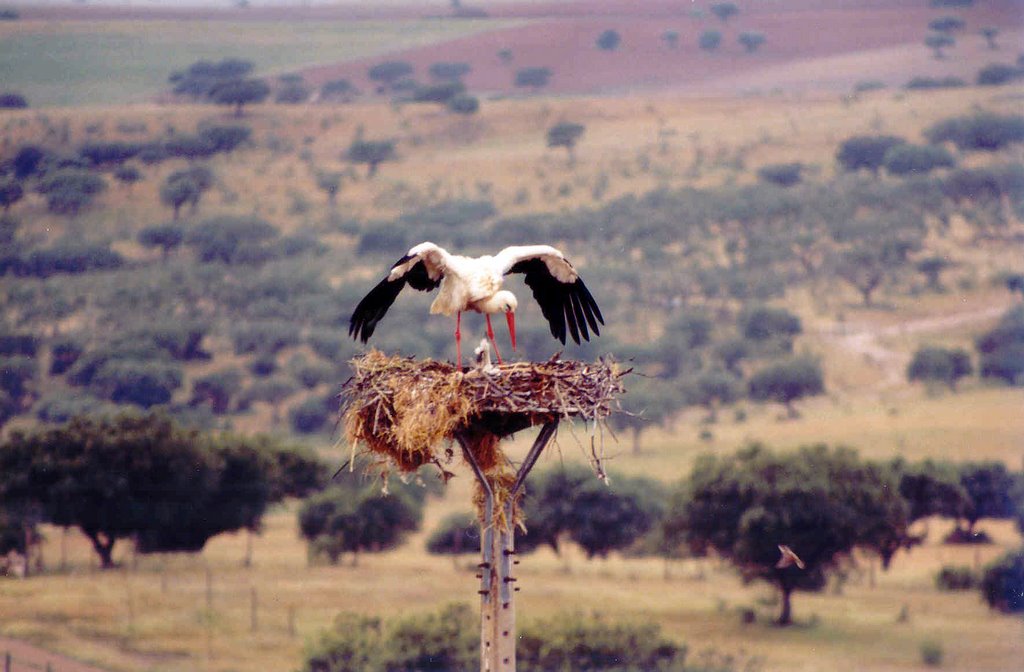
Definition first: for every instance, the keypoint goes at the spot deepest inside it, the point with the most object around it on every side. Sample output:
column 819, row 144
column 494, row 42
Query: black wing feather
column 563, row 304
column 374, row 305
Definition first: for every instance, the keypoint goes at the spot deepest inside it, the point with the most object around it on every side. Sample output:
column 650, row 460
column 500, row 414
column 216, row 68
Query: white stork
column 468, row 283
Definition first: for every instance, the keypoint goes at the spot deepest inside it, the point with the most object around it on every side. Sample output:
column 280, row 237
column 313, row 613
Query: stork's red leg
column 490, row 335
column 458, row 339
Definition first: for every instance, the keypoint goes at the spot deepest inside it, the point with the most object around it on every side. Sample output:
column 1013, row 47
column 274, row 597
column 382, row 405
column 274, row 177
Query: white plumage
column 474, row 284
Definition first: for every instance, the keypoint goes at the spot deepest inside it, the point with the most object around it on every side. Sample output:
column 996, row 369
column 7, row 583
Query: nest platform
column 407, row 412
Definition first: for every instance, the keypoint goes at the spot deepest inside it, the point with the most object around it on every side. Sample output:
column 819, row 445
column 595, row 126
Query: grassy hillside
column 109, row 62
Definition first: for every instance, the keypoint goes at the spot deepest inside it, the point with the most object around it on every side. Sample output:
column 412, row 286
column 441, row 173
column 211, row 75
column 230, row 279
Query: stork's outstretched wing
column 421, row 268
column 564, row 300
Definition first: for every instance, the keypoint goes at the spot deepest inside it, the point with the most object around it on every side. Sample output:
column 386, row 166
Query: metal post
column 497, row 608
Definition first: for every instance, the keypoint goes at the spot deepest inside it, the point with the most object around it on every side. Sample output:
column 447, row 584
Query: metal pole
column 497, row 608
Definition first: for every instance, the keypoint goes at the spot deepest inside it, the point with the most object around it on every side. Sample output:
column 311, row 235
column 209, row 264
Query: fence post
column 7, row 662
column 253, row 622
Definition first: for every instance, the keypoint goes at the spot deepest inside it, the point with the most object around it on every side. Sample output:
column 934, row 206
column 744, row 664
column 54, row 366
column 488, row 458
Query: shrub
column 68, row 190
column 763, row 323
column 15, row 374
column 64, row 352
column 924, row 83
column 69, row 257
column 1002, row 348
column 449, row 71
column 12, row 100
column 996, row 74
column 456, row 534
column 231, row 240
column 463, row 104
column 103, row 153
column 61, row 408
column 338, row 89
column 25, row 345
column 907, row 159
column 866, row 151
column 533, row 77
column 216, row 389
column 224, row 138
column 140, row 383
column 265, row 337
column 441, row 92
column 609, row 40
column 709, row 40
column 782, row 174
column 311, row 415
column 751, row 41
column 956, row 577
column 943, row 365
column 448, row 640
column 592, row 643
column 932, row 653
column 983, row 131
column 1002, row 583
column 390, row 72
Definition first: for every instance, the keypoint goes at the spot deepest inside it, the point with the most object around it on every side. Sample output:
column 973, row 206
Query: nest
column 407, row 411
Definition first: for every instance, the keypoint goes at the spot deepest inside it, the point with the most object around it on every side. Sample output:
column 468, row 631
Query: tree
column 28, row 161
column 990, row 33
column 990, row 489
column 714, row 388
column 981, row 131
column 946, row 24
column 68, row 190
column 446, row 72
column 768, row 324
column 177, row 190
column 231, row 240
column 535, row 78
column 600, row 516
column 907, row 159
column 311, row 415
column 372, row 153
column 863, row 267
column 12, row 100
column 338, row 90
column 292, row 90
column 464, row 104
column 866, row 151
column 997, row 74
column 388, row 73
column 441, row 92
column 709, row 40
column 128, row 175
column 273, row 391
column 942, row 365
column 167, row 237
column 566, row 134
column 931, row 489
column 130, row 476
column 202, row 77
column 820, row 502
column 608, row 40
column 344, row 519
column 788, row 381
column 671, row 39
column 724, row 10
column 751, row 41
column 648, row 403
column 1002, row 348
column 225, row 138
column 216, row 389
column 1002, row 584
column 11, row 192
column 329, row 182
column 937, row 42
column 456, row 534
column 932, row 268
column 144, row 384
column 781, row 174
column 240, row 92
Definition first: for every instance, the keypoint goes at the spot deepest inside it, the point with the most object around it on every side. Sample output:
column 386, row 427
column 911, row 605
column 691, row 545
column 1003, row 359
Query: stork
column 474, row 284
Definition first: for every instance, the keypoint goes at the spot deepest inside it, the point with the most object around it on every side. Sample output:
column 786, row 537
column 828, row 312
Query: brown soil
column 810, row 44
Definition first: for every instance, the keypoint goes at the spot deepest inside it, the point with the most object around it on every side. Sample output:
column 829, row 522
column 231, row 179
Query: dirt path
column 28, row 658
column 867, row 341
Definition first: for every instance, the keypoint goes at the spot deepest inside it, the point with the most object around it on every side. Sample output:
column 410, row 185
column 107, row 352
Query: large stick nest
column 407, row 411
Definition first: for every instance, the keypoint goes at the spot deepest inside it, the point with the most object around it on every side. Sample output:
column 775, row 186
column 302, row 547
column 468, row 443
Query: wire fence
column 12, row 664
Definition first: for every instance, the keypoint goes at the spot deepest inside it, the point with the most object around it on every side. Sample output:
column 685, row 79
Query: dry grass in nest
column 405, row 410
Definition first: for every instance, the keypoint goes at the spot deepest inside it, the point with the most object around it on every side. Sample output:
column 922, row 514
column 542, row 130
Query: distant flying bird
column 788, row 558
column 468, row 283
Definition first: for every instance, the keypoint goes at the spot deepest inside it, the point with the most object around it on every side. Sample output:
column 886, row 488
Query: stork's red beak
column 510, row 317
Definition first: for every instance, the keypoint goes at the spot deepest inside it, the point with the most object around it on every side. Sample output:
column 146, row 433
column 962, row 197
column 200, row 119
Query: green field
column 109, row 63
